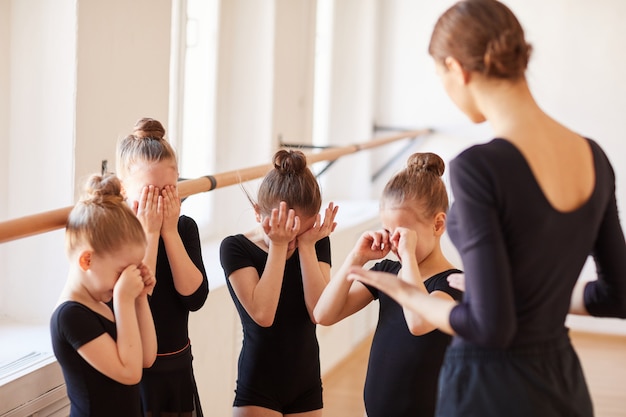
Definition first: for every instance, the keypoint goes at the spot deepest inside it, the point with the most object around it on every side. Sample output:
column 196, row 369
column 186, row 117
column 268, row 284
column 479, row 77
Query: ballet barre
column 47, row 221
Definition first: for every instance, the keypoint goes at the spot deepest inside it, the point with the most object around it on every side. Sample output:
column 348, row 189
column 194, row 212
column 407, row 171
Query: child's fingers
column 273, row 219
column 291, row 218
column 161, row 206
column 333, row 211
column 329, row 215
column 282, row 213
column 171, row 193
column 130, row 282
column 319, row 223
column 150, row 197
column 457, row 281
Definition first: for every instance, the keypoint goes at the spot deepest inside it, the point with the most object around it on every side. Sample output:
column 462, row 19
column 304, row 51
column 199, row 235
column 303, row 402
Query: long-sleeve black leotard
column 521, row 256
column 511, row 354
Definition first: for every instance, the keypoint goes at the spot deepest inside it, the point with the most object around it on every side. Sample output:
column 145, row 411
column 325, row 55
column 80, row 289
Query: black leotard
column 91, row 393
column 512, row 355
column 169, row 385
column 521, row 256
column 279, row 365
column 403, row 369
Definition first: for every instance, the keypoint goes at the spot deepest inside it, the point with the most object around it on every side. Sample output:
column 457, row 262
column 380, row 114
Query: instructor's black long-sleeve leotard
column 511, row 354
column 522, row 257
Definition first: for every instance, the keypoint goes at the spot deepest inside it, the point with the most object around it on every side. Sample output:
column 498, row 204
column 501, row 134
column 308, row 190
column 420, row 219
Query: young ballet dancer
column 148, row 168
column 275, row 275
column 102, row 350
column 406, row 352
column 530, row 207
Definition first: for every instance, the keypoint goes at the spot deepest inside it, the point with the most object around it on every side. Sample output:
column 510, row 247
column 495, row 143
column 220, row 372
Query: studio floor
column 603, row 358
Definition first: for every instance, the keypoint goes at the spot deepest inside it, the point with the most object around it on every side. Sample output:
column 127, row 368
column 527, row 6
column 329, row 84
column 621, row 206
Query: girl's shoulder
column 238, row 240
column 439, row 282
column 77, row 310
column 78, row 324
column 187, row 223
column 387, row 265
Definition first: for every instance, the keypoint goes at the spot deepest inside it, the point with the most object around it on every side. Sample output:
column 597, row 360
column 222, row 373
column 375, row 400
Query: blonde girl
column 102, row 330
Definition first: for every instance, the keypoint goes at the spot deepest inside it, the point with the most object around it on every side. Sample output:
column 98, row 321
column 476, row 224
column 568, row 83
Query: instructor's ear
column 458, row 72
column 84, row 260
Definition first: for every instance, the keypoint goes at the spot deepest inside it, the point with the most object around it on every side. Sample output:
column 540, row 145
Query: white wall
column 5, row 88
column 352, row 87
column 79, row 75
column 5, row 96
column 123, row 53
column 39, row 162
column 245, row 78
column 294, row 47
column 575, row 70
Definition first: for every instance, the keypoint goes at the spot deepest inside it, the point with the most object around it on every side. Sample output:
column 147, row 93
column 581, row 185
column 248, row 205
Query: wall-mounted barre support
column 55, row 219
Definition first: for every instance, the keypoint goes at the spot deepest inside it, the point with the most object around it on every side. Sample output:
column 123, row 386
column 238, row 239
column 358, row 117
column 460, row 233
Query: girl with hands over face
column 102, row 349
column 275, row 275
column 148, row 168
column 406, row 351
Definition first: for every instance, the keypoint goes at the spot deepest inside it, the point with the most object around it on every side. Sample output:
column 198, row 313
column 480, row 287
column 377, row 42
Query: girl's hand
column 282, row 225
column 457, row 281
column 171, row 208
column 149, row 281
column 372, row 245
column 148, row 209
column 384, row 281
column 404, row 242
column 320, row 229
column 129, row 285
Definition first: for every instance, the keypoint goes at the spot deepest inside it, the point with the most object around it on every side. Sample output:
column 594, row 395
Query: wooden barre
column 55, row 219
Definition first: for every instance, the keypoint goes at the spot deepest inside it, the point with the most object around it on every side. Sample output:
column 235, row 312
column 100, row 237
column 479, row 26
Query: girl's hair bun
column 426, row 162
column 148, row 128
column 289, row 161
column 103, row 189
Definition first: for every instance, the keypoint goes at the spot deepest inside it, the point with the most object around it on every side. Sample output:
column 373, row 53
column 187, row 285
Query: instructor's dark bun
column 484, row 36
